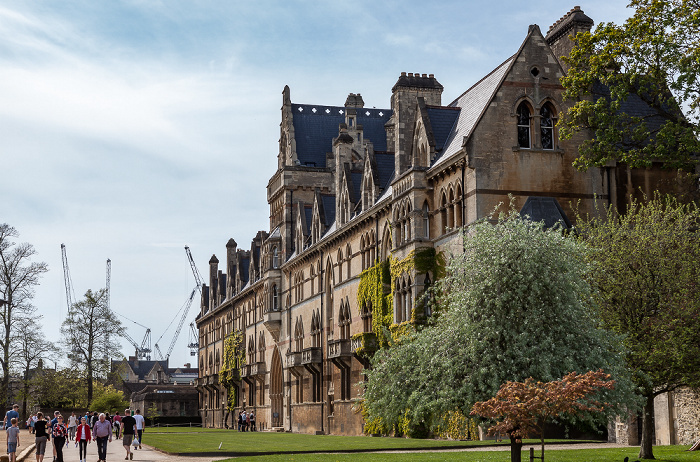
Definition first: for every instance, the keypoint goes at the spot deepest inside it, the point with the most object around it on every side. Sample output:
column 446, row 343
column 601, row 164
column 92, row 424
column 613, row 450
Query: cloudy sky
column 129, row 129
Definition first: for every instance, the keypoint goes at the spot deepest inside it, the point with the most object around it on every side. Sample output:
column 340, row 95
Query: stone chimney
column 404, row 99
column 213, row 285
column 561, row 33
column 231, row 262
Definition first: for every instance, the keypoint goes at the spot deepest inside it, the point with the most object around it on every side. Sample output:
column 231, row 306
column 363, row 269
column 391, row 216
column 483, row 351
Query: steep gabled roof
column 442, row 121
column 385, row 168
column 315, row 127
column 473, row 103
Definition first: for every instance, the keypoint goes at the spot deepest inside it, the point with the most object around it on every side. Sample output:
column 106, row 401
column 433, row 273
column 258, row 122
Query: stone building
column 358, row 186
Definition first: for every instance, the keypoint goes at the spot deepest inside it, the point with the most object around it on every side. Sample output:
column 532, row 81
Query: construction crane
column 109, row 277
column 193, row 344
column 70, row 295
column 185, row 311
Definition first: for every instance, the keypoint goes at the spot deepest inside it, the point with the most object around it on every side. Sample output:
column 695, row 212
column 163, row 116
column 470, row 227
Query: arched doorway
column 276, row 389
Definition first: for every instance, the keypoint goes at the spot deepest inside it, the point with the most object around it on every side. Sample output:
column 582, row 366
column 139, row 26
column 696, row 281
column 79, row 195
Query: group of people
column 90, row 427
column 246, row 421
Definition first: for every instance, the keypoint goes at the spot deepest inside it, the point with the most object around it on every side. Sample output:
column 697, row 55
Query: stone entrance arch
column 276, row 389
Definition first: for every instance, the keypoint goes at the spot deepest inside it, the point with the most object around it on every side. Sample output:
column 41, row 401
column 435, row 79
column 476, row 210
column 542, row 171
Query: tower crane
column 193, row 345
column 185, row 311
column 70, row 295
column 109, row 277
column 142, row 351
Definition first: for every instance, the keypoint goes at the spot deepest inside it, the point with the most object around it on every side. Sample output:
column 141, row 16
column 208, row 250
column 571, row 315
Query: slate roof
column 308, row 216
column 328, row 208
column 316, row 126
column 442, row 120
column 633, row 106
column 472, row 103
column 385, row 168
column 546, row 209
column 141, row 367
column 245, row 265
column 356, row 192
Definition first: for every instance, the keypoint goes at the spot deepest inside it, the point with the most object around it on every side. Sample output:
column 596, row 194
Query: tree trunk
column 516, row 446
column 646, row 447
column 89, row 383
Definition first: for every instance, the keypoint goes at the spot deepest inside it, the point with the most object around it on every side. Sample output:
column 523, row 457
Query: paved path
column 115, row 452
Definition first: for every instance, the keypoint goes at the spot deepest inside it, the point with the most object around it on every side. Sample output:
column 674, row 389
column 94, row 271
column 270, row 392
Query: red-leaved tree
column 523, row 408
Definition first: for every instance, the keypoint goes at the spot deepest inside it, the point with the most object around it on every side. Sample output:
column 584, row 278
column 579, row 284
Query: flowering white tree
column 515, row 304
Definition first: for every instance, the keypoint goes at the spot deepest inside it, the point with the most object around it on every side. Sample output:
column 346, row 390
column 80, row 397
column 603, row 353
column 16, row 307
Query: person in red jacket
column 83, row 436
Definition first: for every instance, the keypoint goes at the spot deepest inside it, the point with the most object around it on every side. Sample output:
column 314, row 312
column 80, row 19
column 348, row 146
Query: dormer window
column 524, row 119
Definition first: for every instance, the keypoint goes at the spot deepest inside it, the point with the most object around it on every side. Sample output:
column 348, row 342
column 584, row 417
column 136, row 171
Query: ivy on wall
column 377, row 285
column 233, row 360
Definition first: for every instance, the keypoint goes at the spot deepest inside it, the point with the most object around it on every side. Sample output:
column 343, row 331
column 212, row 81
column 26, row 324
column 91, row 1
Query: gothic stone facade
column 356, row 185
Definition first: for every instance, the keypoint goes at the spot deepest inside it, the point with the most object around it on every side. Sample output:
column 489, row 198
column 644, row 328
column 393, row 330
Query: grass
column 662, row 454
column 296, row 447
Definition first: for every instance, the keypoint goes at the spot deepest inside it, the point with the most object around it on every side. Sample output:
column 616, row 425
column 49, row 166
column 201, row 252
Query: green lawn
column 296, row 447
column 663, row 453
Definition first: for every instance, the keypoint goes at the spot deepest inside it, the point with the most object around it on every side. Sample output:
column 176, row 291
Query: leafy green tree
column 652, row 60
column 18, row 277
column 110, row 400
column 56, row 388
column 515, row 304
column 648, row 278
column 91, row 329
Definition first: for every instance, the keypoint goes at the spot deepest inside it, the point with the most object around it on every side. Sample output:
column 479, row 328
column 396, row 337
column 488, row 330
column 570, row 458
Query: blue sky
column 130, row 129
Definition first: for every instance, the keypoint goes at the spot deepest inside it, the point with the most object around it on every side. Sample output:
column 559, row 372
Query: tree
column 57, row 388
column 631, row 85
column 91, row 328
column 110, row 400
column 18, row 277
column 515, row 304
column 648, row 278
column 525, row 407
column 30, row 346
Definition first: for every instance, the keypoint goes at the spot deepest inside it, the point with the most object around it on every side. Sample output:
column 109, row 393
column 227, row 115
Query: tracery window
column 344, row 320
column 299, row 335
column 547, row 122
column 524, row 119
column 315, row 331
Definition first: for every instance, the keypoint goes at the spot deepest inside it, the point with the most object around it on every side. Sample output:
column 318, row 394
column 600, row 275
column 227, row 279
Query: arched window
column 426, row 220
column 299, row 335
column 315, row 330
column 458, row 207
column 443, row 213
column 275, row 298
column 340, row 265
column 344, row 320
column 547, row 122
column 275, row 257
column 348, row 256
column 524, row 117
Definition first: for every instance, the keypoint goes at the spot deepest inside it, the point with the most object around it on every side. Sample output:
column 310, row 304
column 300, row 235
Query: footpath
column 115, row 452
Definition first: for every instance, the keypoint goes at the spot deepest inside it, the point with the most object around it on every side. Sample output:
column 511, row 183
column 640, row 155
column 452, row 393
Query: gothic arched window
column 547, row 122
column 524, row 117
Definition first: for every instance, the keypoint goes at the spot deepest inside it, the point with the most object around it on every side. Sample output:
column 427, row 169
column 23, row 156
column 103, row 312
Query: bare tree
column 18, row 277
column 29, row 346
column 91, row 329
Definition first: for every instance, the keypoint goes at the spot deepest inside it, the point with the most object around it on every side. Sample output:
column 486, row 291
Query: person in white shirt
column 140, row 423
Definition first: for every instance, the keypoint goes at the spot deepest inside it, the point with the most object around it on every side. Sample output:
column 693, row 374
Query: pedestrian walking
column 72, row 425
column 140, row 425
column 59, row 433
column 252, row 421
column 103, row 435
column 128, row 431
column 9, row 415
column 12, row 439
column 83, row 437
column 41, row 436
column 240, row 421
column 116, row 423
column 247, row 422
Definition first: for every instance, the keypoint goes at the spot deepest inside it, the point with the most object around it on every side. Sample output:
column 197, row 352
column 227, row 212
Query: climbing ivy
column 377, row 285
column 233, row 360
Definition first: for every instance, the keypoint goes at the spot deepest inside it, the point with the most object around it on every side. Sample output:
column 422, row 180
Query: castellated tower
column 404, row 98
column 560, row 34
